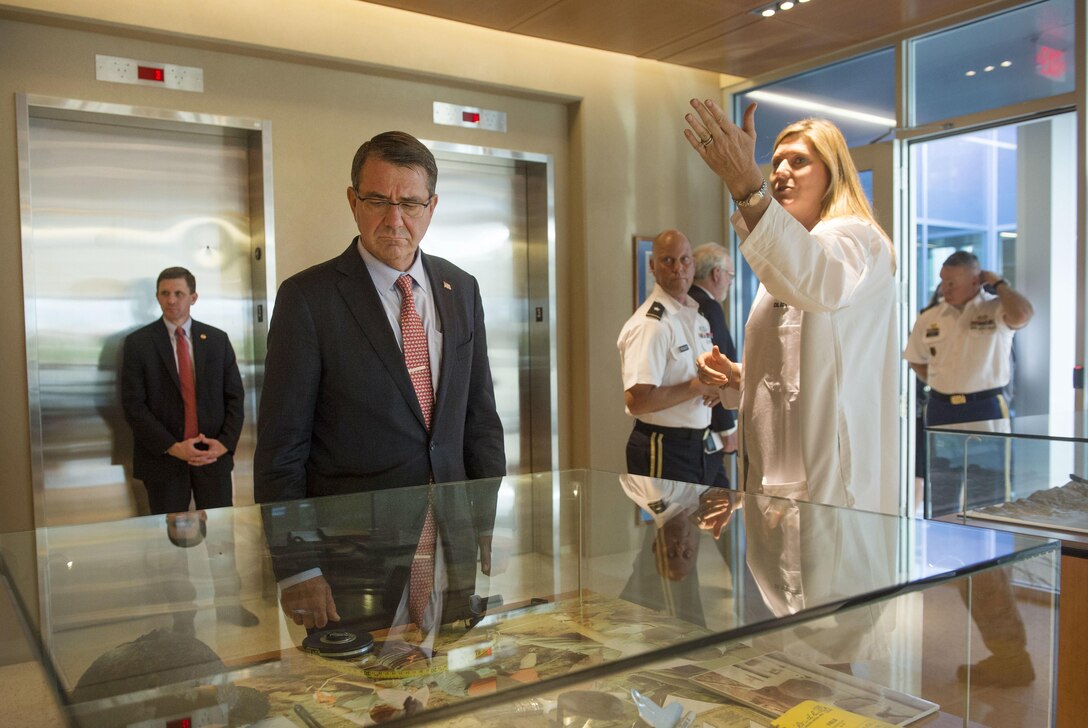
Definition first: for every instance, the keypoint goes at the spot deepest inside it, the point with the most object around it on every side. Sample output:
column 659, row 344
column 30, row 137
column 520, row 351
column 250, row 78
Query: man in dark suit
column 339, row 408
column 714, row 275
column 182, row 449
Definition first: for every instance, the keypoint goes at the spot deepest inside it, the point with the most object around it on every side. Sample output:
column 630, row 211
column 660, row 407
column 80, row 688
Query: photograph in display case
column 774, row 683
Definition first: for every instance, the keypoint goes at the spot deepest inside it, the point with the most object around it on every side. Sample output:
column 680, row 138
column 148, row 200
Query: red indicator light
column 150, row 73
column 1050, row 63
column 471, row 117
column 180, row 723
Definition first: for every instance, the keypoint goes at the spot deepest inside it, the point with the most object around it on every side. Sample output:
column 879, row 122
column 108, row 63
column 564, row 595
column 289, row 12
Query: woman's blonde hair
column 844, row 196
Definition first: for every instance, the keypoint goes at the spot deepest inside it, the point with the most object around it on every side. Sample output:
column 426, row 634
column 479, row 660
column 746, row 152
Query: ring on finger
column 708, row 141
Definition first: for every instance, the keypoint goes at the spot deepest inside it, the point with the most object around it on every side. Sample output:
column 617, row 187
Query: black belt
column 679, row 433
column 964, row 398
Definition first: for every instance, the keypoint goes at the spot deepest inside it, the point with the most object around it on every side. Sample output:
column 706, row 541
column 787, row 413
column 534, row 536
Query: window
column 1008, row 195
column 858, row 95
column 1018, row 56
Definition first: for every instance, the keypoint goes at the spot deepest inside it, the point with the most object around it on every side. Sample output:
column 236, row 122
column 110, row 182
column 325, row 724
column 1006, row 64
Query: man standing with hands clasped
column 658, row 347
column 182, row 397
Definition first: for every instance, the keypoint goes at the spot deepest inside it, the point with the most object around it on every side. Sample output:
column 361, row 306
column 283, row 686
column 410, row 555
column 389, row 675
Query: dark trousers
column 986, row 471
column 208, row 486
column 940, row 412
column 673, row 453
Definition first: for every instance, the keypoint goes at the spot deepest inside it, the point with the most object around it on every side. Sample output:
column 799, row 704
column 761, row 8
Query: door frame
column 542, row 373
column 262, row 228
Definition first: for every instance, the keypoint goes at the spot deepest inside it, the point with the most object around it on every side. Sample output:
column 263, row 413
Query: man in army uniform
column 658, row 348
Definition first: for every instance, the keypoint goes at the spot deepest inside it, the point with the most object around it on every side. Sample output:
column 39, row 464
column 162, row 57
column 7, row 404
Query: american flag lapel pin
column 447, row 286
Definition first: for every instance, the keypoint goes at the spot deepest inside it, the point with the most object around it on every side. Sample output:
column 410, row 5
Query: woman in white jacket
column 818, row 383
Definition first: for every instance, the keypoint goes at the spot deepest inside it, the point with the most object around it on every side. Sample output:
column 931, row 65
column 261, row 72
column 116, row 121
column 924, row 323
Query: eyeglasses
column 380, row 205
column 729, row 274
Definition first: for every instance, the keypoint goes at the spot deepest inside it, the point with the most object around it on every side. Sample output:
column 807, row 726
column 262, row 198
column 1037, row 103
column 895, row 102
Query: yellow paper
column 811, row 714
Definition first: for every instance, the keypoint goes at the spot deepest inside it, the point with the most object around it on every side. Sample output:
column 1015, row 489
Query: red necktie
column 418, row 360
column 188, row 388
column 416, row 354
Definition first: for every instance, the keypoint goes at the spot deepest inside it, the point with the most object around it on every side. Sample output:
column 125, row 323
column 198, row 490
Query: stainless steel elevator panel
column 111, row 199
column 488, row 222
column 495, row 218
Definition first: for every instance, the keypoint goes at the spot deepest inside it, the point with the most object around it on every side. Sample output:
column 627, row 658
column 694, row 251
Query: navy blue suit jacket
column 151, row 399
column 721, row 419
column 338, row 413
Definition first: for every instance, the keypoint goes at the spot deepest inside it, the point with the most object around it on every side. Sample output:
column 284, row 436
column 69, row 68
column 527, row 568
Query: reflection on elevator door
column 480, row 225
column 112, row 205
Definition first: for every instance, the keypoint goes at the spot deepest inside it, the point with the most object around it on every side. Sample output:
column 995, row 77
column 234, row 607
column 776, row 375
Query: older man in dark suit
column 182, row 396
column 713, row 276
column 377, row 373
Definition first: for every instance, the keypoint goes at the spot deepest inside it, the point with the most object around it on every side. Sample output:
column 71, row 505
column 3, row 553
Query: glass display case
column 1026, row 475
column 1030, row 471
column 573, row 598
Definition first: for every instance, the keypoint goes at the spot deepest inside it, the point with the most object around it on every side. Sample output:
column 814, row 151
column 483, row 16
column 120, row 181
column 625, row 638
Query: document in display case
column 543, row 603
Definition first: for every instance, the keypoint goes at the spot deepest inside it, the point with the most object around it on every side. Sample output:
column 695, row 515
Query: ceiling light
column 770, row 9
column 785, row 100
column 1006, row 64
column 970, row 73
column 988, row 69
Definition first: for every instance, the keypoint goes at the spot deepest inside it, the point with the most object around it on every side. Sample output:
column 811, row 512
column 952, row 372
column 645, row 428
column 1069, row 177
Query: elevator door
column 481, row 223
column 111, row 203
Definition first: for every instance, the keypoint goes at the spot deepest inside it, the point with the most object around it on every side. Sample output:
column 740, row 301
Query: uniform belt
column 964, row 398
column 679, row 433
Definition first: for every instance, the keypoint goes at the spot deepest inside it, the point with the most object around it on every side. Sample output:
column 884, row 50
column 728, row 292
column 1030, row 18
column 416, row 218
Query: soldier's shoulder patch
column 656, row 310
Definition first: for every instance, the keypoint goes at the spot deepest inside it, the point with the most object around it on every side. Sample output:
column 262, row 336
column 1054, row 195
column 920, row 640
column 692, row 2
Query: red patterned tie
column 416, row 354
column 188, row 388
column 418, row 360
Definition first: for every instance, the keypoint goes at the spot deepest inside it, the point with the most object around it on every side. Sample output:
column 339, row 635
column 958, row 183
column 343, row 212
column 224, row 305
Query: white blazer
column 820, row 368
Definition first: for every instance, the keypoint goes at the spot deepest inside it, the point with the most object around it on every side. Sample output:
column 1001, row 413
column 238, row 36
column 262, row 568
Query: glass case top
column 1071, row 426
column 530, row 581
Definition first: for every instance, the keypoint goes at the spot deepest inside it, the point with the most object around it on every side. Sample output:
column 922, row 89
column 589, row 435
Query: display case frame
column 587, row 604
column 1041, row 462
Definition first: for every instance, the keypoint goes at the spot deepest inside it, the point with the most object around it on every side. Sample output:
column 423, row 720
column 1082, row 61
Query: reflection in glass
column 1012, row 57
column 587, row 597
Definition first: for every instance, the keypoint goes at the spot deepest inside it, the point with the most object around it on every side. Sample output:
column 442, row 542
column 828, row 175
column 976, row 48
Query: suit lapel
column 357, row 289
column 200, row 352
column 445, row 303
column 161, row 336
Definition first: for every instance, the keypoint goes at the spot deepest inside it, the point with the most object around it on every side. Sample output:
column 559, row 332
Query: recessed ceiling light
column 770, row 9
column 988, row 69
column 1006, row 64
column 970, row 73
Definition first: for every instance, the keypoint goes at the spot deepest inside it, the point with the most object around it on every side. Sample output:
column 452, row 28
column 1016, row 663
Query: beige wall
column 329, row 74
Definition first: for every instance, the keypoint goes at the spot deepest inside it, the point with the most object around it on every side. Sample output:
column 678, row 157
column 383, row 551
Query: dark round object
column 340, row 644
